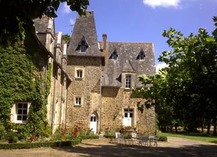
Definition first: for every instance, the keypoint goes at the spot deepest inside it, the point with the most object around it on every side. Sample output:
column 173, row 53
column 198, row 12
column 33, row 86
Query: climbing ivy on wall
column 20, row 80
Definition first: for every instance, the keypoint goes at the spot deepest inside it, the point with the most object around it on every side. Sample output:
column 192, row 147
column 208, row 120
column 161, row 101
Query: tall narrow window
column 79, row 73
column 78, row 101
column 128, row 81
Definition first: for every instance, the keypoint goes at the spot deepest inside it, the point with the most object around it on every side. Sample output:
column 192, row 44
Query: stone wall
column 88, row 88
column 114, row 101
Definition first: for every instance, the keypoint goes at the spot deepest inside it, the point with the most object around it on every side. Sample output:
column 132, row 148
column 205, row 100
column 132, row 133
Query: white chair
column 133, row 137
column 119, row 137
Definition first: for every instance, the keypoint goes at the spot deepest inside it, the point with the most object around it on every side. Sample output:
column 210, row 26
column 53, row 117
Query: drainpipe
column 53, row 104
column 100, row 100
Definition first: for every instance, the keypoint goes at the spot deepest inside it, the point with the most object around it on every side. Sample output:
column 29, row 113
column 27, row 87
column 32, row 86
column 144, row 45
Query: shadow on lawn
column 93, row 150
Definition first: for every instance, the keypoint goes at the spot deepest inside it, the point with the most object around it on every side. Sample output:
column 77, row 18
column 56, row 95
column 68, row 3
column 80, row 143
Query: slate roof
column 84, row 28
column 44, row 24
column 127, row 61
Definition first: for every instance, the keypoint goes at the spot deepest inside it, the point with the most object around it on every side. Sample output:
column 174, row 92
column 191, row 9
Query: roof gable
column 85, row 29
column 128, row 61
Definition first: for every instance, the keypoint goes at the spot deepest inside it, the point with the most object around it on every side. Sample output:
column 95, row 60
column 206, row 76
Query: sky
column 143, row 20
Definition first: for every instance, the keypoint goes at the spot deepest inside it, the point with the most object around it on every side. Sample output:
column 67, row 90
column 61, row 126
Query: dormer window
column 141, row 55
column 128, row 81
column 114, row 55
column 82, row 45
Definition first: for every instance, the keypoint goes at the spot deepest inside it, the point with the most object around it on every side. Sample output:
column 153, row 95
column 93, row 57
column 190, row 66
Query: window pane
column 24, row 117
column 19, row 106
column 24, row 111
column 19, row 118
column 128, row 81
column 131, row 115
column 25, row 106
column 19, row 111
column 125, row 114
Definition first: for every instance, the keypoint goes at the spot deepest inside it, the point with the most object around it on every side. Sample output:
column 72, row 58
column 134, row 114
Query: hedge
column 39, row 144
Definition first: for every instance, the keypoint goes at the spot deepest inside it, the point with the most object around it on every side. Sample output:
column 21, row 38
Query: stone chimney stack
column 104, row 40
column 104, row 46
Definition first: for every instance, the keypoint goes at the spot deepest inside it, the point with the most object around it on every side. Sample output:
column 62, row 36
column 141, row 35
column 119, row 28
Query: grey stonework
column 103, row 86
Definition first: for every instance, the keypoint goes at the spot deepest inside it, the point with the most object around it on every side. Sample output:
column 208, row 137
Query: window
column 78, row 101
column 82, row 45
column 128, row 81
column 114, row 55
column 141, row 55
column 19, row 112
column 79, row 73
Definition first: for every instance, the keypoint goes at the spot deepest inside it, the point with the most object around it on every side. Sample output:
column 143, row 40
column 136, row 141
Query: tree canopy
column 15, row 15
column 185, row 91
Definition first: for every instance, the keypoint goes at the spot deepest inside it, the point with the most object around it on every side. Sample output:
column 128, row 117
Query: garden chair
column 153, row 140
column 133, row 137
column 119, row 137
column 144, row 140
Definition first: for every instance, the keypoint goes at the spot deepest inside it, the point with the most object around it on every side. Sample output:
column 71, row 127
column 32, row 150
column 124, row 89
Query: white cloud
column 160, row 66
column 162, row 3
column 66, row 9
column 72, row 21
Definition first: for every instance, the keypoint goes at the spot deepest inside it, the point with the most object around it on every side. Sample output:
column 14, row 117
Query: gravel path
column 175, row 147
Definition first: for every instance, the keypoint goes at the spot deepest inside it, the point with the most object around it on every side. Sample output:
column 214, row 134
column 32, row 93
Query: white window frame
column 79, row 73
column 15, row 114
column 128, row 81
column 78, row 101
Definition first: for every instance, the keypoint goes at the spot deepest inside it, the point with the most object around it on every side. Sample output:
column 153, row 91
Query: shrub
column 2, row 132
column 162, row 138
column 109, row 133
column 12, row 139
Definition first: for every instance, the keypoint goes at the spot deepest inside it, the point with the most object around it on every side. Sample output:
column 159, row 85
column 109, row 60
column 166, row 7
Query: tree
column 16, row 15
column 188, row 89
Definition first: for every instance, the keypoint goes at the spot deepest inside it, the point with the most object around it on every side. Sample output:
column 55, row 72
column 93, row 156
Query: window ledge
column 78, row 78
column 127, row 89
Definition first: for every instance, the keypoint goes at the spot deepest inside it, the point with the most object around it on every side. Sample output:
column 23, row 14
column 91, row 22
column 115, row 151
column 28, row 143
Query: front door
column 93, row 123
column 128, row 117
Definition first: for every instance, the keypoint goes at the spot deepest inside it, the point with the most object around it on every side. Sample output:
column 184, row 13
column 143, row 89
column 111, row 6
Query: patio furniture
column 153, row 140
column 133, row 140
column 119, row 137
column 144, row 140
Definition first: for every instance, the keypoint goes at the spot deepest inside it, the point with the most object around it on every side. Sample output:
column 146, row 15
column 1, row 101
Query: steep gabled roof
column 84, row 30
column 127, row 62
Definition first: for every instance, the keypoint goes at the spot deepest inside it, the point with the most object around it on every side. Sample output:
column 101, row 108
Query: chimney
column 104, row 39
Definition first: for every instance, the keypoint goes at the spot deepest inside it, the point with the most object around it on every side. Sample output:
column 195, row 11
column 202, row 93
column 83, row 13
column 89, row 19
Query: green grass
column 198, row 137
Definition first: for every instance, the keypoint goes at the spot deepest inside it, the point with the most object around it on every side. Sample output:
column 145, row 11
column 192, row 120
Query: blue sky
column 143, row 20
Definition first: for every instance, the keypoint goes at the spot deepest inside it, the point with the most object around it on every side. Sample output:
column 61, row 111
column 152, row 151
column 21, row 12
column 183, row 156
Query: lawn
column 198, row 137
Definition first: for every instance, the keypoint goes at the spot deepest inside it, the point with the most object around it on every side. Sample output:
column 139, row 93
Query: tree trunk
column 214, row 124
column 176, row 128
column 208, row 127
